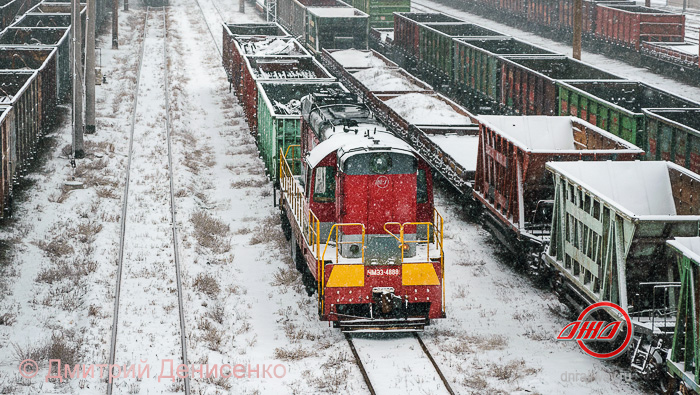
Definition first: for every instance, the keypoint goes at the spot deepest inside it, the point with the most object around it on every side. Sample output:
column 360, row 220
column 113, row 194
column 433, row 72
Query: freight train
column 34, row 78
column 617, row 27
column 587, row 240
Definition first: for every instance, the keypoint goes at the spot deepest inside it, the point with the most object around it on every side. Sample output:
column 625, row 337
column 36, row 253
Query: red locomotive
column 357, row 204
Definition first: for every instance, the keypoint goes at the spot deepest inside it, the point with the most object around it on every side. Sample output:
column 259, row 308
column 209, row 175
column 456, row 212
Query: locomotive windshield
column 380, row 163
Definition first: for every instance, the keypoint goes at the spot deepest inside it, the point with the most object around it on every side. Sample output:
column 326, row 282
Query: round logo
column 628, row 336
column 382, row 182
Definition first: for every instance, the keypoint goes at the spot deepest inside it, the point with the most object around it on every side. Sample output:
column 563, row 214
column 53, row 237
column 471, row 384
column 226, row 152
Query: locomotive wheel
column 667, row 384
column 286, row 226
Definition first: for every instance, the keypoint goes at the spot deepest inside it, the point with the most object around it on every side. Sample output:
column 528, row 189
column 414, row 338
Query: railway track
column 148, row 266
column 412, row 362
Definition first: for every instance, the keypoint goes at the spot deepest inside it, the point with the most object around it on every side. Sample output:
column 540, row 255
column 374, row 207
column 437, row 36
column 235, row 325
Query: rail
column 174, row 229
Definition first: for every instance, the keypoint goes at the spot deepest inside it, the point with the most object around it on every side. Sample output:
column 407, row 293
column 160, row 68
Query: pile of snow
column 285, row 74
column 464, row 149
column 381, row 79
column 271, row 46
column 423, row 109
column 534, row 132
column 354, row 58
column 293, row 107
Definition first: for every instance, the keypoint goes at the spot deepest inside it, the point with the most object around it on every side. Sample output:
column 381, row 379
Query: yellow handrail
column 337, row 243
column 389, row 232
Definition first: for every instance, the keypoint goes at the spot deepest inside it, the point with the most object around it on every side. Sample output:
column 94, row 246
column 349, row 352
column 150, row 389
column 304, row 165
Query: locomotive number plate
column 383, row 272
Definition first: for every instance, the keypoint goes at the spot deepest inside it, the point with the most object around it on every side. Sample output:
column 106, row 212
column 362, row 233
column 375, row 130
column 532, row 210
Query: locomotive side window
column 421, row 187
column 324, row 184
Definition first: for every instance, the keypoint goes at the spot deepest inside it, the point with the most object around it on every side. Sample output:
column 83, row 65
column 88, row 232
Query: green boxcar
column 381, row 12
column 616, row 106
column 437, row 44
column 477, row 63
column 607, row 241
column 674, row 135
column 279, row 123
column 684, row 359
column 336, row 28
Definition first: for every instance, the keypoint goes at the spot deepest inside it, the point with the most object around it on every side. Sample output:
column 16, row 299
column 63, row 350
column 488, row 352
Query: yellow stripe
column 347, row 276
column 419, row 274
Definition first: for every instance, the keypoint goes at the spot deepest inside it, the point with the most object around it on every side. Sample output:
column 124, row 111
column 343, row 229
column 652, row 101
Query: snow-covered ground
column 244, row 301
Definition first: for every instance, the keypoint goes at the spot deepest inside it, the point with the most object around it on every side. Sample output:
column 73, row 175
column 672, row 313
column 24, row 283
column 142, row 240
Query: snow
column 463, row 149
column 534, row 132
column 642, row 188
column 687, row 48
column 381, row 79
column 689, row 246
column 272, row 46
column 424, row 109
column 335, row 12
column 355, row 58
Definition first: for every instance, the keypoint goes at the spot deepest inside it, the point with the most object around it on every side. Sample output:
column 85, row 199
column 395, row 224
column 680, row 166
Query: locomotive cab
column 370, row 230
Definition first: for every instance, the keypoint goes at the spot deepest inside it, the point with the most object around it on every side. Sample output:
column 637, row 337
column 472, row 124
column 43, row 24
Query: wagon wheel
column 668, row 385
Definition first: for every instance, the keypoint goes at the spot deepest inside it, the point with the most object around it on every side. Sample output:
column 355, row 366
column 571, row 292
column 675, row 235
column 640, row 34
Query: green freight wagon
column 606, row 242
column 336, row 28
column 436, row 44
column 616, row 106
column 478, row 63
column 674, row 135
column 381, row 12
column 279, row 117
column 684, row 360
column 529, row 84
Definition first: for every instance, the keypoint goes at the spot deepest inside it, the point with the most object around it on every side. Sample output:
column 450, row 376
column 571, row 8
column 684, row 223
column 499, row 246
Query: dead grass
column 72, row 270
column 56, row 248
column 206, row 284
column 285, row 277
column 511, row 371
column 269, row 232
column 217, row 313
column 210, row 232
column 249, row 183
column 292, row 354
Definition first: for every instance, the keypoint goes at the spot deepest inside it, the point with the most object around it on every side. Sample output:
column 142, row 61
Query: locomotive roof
column 350, row 143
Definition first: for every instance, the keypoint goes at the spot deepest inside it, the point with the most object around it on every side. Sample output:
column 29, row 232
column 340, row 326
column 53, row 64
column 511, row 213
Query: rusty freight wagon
column 336, row 27
column 478, row 65
column 260, row 46
column 630, row 26
column 674, row 135
column 616, row 106
column 8, row 11
column 437, row 46
column 21, row 90
column 683, row 360
column 407, row 30
column 279, row 117
column 44, row 61
column 7, row 159
column 511, row 181
column 684, row 54
column 607, row 242
column 44, row 38
column 231, row 53
column 529, row 84
column 566, row 14
column 274, row 68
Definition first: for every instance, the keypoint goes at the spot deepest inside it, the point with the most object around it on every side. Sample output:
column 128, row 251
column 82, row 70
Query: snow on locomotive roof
column 639, row 188
column 348, row 141
column 384, row 79
column 419, row 108
column 355, row 58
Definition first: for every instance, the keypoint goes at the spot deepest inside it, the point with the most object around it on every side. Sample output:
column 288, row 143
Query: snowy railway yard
column 243, row 300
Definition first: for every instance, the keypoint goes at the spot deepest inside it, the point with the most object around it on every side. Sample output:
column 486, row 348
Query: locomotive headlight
column 354, row 249
column 381, row 163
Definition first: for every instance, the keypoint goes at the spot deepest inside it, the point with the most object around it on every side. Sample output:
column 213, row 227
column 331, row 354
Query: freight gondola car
column 361, row 220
